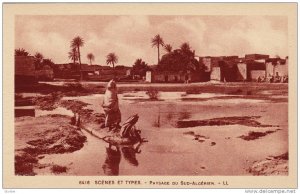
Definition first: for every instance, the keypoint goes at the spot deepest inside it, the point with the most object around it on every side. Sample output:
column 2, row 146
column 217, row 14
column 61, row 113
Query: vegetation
column 156, row 42
column 168, row 48
column 140, row 68
column 39, row 56
column 182, row 59
column 78, row 42
column 48, row 62
column 112, row 58
column 73, row 55
column 90, row 57
column 38, row 60
column 56, row 169
column 153, row 94
column 21, row 52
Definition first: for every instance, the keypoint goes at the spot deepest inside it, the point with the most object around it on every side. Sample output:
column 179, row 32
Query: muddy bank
column 272, row 165
column 246, row 121
column 86, row 115
column 35, row 137
column 68, row 89
column 253, row 135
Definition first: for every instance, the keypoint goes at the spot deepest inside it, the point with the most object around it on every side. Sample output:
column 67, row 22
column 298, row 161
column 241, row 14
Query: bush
column 74, row 86
column 153, row 94
column 58, row 169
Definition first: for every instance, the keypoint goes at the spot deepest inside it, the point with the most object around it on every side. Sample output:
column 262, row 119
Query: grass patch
column 56, row 169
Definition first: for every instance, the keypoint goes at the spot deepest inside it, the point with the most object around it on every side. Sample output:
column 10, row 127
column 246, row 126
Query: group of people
column 127, row 130
column 273, row 79
column 113, row 115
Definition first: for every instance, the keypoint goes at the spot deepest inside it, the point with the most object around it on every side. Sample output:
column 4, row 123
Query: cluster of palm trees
column 21, row 52
column 157, row 41
column 74, row 54
column 111, row 58
column 40, row 60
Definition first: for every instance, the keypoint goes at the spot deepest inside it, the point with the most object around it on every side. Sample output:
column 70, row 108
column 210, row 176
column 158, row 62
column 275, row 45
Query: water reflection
column 129, row 153
column 113, row 157
column 112, row 161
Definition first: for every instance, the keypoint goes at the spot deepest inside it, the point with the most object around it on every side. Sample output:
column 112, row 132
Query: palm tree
column 38, row 59
column 111, row 58
column 185, row 47
column 168, row 48
column 156, row 42
column 39, row 56
column 21, row 52
column 48, row 62
column 73, row 55
column 90, row 57
column 78, row 42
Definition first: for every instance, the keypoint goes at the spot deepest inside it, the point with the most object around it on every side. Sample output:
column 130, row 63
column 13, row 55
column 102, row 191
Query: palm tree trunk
column 79, row 62
column 157, row 54
column 114, row 70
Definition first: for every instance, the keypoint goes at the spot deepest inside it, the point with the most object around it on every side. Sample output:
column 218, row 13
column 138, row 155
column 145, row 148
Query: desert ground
column 237, row 129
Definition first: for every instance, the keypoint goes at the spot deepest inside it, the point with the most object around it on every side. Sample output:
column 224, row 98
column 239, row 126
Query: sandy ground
column 205, row 133
column 40, row 136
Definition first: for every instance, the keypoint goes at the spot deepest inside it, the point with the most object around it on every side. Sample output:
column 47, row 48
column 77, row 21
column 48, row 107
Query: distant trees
column 78, row 42
column 90, row 57
column 140, row 68
column 38, row 60
column 168, row 48
column 39, row 56
column 21, row 52
column 112, row 58
column 73, row 55
column 41, row 62
column 48, row 62
column 156, row 42
column 182, row 59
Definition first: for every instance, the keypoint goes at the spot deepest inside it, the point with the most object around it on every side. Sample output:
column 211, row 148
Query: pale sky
column 129, row 37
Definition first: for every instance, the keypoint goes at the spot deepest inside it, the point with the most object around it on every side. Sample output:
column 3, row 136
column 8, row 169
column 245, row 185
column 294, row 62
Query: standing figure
column 111, row 106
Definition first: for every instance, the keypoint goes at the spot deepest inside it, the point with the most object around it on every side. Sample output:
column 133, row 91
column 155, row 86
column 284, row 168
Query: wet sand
column 208, row 148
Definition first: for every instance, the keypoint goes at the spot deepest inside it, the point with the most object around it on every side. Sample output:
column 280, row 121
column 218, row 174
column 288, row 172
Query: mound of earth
column 272, row 165
column 245, row 120
column 37, row 136
column 253, row 135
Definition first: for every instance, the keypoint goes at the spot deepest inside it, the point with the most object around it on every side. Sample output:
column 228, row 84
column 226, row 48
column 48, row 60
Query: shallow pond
column 170, row 151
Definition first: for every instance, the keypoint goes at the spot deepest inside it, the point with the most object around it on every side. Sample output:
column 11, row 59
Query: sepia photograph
column 151, row 95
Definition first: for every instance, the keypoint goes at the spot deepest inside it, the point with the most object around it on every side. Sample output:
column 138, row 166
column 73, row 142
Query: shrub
column 58, row 169
column 153, row 94
column 74, row 86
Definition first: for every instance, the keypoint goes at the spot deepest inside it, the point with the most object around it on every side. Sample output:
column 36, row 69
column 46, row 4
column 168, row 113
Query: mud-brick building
column 277, row 66
column 222, row 68
column 156, row 76
column 104, row 73
column 164, row 76
column 24, row 70
column 256, row 56
column 255, row 69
